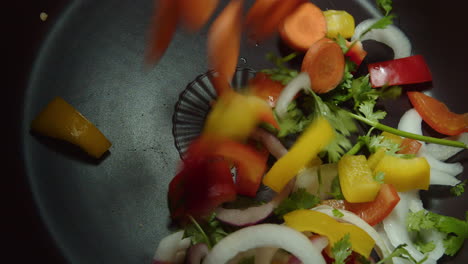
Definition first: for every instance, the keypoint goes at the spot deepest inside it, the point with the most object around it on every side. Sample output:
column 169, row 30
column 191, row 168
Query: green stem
column 208, row 242
column 405, row 134
column 355, row 149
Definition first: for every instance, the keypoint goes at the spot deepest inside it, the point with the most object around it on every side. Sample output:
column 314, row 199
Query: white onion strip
column 300, row 82
column 170, row 246
column 272, row 143
column 442, row 152
column 410, row 122
column 265, row 235
column 390, row 36
column 352, row 218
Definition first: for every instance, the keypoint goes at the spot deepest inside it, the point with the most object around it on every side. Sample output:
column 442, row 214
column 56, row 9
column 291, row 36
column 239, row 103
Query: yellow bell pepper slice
column 62, row 121
column 394, row 138
column 320, row 223
column 234, row 116
column 405, row 174
column 310, row 143
column 339, row 22
column 356, row 179
column 375, row 158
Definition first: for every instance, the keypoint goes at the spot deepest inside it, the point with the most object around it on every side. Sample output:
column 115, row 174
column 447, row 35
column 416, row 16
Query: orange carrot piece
column 224, row 39
column 163, row 25
column 264, row 23
column 195, row 13
column 324, row 62
column 302, row 28
column 409, row 146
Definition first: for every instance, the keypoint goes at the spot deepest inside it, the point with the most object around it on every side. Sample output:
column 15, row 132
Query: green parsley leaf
column 342, row 92
column 299, row 199
column 379, row 24
column 335, row 189
column 281, row 73
column 295, row 121
column 458, row 189
column 341, row 250
column 425, row 247
column 337, row 213
column 385, row 5
column 379, row 177
column 453, row 244
column 247, row 260
column 210, row 232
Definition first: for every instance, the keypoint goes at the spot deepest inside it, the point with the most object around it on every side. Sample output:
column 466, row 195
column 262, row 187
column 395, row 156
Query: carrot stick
column 224, row 40
column 303, row 27
column 263, row 23
column 163, row 25
column 195, row 13
column 324, row 62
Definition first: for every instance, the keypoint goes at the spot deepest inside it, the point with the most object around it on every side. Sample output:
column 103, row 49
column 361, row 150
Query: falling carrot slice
column 163, row 26
column 264, row 23
column 305, row 26
column 195, row 13
column 324, row 62
column 224, row 39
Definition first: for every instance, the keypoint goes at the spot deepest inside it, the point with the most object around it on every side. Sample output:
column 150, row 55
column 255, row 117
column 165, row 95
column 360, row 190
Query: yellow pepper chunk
column 339, row 22
column 395, row 138
column 310, row 143
column 234, row 116
column 322, row 224
column 405, row 174
column 62, row 121
column 356, row 179
column 375, row 158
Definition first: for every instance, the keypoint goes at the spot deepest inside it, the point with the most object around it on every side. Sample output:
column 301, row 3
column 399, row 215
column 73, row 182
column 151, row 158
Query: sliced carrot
column 409, row 146
column 163, row 25
column 224, row 39
column 305, row 26
column 262, row 24
column 195, row 14
column 324, row 62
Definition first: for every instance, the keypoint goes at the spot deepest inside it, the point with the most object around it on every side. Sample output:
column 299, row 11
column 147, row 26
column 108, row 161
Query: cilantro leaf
column 379, row 177
column 401, row 252
column 341, row 250
column 281, row 73
column 337, row 213
column 458, row 189
column 367, row 109
column 342, row 43
column 379, row 24
column 209, row 233
column 385, row 5
column 425, row 247
column 299, row 199
column 456, row 229
column 295, row 120
column 335, row 189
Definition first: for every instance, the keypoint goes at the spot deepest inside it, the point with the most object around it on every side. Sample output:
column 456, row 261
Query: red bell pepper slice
column 407, row 70
column 356, row 53
column 371, row 212
column 264, row 87
column 201, row 186
column 409, row 146
column 250, row 164
column 437, row 115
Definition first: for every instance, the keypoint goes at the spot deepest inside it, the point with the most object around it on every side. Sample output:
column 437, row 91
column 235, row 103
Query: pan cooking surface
column 114, row 210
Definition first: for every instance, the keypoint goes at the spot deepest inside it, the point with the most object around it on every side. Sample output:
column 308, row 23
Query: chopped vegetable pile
column 343, row 183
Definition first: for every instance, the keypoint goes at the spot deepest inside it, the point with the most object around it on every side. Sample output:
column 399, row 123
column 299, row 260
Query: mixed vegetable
column 341, row 183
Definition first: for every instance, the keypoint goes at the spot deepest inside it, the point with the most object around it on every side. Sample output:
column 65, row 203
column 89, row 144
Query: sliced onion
column 390, row 36
column 395, row 225
column 196, row 253
column 255, row 214
column 442, row 152
column 272, row 143
column 300, row 82
column 411, row 122
column 442, row 178
column 170, row 246
column 352, row 218
column 265, row 235
column 308, row 178
column 450, row 168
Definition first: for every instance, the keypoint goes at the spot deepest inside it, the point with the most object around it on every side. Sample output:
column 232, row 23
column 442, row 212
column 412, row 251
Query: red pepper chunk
column 201, row 186
column 407, row 70
column 264, row 87
column 250, row 164
column 437, row 115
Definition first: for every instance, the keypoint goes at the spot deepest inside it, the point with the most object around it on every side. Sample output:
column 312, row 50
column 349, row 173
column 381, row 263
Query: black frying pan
column 68, row 208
